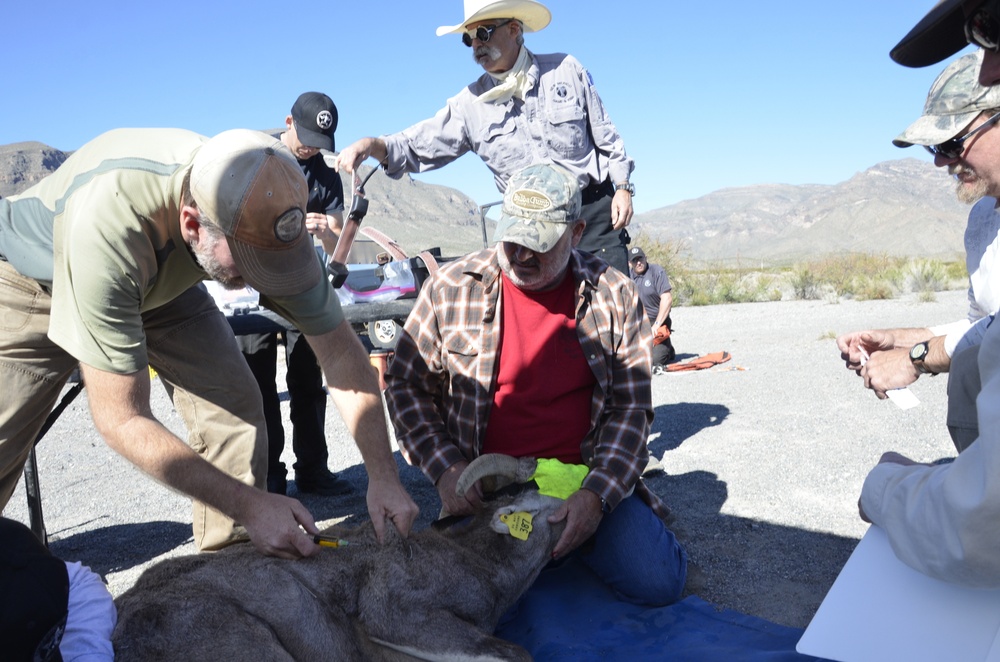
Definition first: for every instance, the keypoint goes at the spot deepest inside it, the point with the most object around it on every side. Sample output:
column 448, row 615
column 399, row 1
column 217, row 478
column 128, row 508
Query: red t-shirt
column 544, row 386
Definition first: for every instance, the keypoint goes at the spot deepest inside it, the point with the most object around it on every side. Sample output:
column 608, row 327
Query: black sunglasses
column 482, row 33
column 982, row 28
column 952, row 149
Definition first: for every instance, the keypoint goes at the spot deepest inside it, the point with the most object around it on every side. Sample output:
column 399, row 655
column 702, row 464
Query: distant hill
column 24, row 164
column 906, row 207
column 415, row 214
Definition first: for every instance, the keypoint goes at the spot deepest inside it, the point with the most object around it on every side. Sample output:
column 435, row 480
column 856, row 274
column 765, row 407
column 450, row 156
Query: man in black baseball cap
column 314, row 118
column 947, row 28
column 308, row 129
column 939, row 35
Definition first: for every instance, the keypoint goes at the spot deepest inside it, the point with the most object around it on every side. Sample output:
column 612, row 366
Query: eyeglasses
column 482, row 33
column 982, row 28
column 952, row 149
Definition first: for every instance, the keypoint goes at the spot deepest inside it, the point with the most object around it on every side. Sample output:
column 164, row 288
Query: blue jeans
column 635, row 554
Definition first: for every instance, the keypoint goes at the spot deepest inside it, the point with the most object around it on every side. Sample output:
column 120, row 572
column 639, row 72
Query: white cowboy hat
column 534, row 15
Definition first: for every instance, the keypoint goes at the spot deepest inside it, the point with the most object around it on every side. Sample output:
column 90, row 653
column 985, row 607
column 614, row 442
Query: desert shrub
column 861, row 276
column 804, row 282
column 928, row 276
column 956, row 271
column 872, row 288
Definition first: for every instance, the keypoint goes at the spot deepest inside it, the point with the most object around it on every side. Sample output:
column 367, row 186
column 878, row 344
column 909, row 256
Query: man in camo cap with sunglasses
column 941, row 519
column 535, row 349
column 958, row 128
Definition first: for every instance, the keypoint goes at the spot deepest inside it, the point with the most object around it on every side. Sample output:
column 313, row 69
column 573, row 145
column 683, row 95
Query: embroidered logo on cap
column 531, row 200
column 324, row 120
column 289, row 225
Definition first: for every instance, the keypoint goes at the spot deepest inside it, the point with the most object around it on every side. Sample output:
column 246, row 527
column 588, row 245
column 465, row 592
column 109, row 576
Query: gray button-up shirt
column 561, row 121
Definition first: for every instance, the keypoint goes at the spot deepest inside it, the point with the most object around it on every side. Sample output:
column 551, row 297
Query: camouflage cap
column 540, row 203
column 956, row 98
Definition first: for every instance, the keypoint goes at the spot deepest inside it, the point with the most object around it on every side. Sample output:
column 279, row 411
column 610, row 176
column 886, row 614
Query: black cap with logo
column 315, row 117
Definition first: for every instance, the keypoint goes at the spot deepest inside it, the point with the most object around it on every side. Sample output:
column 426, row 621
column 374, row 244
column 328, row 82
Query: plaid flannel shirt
column 440, row 382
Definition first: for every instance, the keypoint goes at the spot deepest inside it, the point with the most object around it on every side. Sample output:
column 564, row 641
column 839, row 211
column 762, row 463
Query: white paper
column 903, row 397
column 879, row 609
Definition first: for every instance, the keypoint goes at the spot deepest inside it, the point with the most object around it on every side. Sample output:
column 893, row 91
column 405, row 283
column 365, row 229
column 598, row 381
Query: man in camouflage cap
column 958, row 127
column 533, row 348
column 918, row 505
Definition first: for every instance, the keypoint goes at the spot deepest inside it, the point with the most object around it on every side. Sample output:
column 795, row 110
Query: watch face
column 918, row 351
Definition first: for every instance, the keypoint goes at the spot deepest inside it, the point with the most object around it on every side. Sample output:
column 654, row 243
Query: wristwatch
column 626, row 186
column 918, row 354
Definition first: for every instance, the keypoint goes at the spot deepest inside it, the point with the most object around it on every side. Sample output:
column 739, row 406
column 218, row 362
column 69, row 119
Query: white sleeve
column 953, row 333
column 942, row 520
column 90, row 620
column 973, row 336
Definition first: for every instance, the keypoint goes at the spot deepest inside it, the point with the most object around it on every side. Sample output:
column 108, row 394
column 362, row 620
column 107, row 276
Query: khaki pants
column 192, row 348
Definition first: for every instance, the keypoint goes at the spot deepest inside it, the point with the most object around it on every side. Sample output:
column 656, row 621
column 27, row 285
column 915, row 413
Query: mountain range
column 904, row 207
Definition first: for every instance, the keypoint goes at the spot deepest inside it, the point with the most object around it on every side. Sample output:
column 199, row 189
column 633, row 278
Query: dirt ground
column 763, row 458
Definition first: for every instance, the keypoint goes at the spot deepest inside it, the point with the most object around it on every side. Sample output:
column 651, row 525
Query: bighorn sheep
column 437, row 595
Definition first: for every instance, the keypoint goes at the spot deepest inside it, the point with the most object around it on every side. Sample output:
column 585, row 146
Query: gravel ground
column 764, row 458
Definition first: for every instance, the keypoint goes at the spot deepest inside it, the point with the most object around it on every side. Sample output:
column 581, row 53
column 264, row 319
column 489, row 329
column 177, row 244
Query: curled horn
column 502, row 469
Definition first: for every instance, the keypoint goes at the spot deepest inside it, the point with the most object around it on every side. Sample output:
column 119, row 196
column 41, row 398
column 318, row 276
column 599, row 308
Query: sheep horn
column 504, row 469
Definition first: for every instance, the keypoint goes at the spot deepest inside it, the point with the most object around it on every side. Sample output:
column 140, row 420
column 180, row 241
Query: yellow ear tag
column 518, row 523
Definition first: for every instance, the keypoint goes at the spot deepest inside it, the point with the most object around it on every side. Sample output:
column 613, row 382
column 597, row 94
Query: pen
column 324, row 541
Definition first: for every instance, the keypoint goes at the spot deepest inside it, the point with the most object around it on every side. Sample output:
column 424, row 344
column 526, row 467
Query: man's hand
column 355, row 154
column 854, row 346
column 621, row 209
column 389, row 502
column 582, row 512
column 273, row 523
column 323, row 227
column 890, row 457
column 887, row 370
column 452, row 503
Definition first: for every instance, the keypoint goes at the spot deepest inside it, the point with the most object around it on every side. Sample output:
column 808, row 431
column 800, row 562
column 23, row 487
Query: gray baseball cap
column 540, row 203
column 956, row 98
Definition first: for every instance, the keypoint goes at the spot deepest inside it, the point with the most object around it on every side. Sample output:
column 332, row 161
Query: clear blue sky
column 706, row 96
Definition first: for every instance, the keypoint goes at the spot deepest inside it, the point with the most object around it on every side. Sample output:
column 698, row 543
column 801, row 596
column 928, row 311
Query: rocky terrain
column 905, row 208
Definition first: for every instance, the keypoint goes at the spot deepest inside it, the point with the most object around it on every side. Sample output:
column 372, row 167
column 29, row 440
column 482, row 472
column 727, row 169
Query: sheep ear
column 519, row 523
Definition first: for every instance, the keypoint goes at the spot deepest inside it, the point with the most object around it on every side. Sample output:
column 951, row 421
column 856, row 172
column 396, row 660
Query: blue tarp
column 569, row 614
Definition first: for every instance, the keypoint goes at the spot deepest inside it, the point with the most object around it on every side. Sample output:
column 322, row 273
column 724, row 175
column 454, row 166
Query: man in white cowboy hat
column 526, row 108
column 99, row 267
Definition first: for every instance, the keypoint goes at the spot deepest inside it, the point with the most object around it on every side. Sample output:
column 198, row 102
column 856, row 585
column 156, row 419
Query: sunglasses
column 952, row 149
column 482, row 33
column 982, row 28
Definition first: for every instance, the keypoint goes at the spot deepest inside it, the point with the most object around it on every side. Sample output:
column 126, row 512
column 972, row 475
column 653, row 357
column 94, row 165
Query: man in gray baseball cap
column 99, row 267
column 533, row 348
